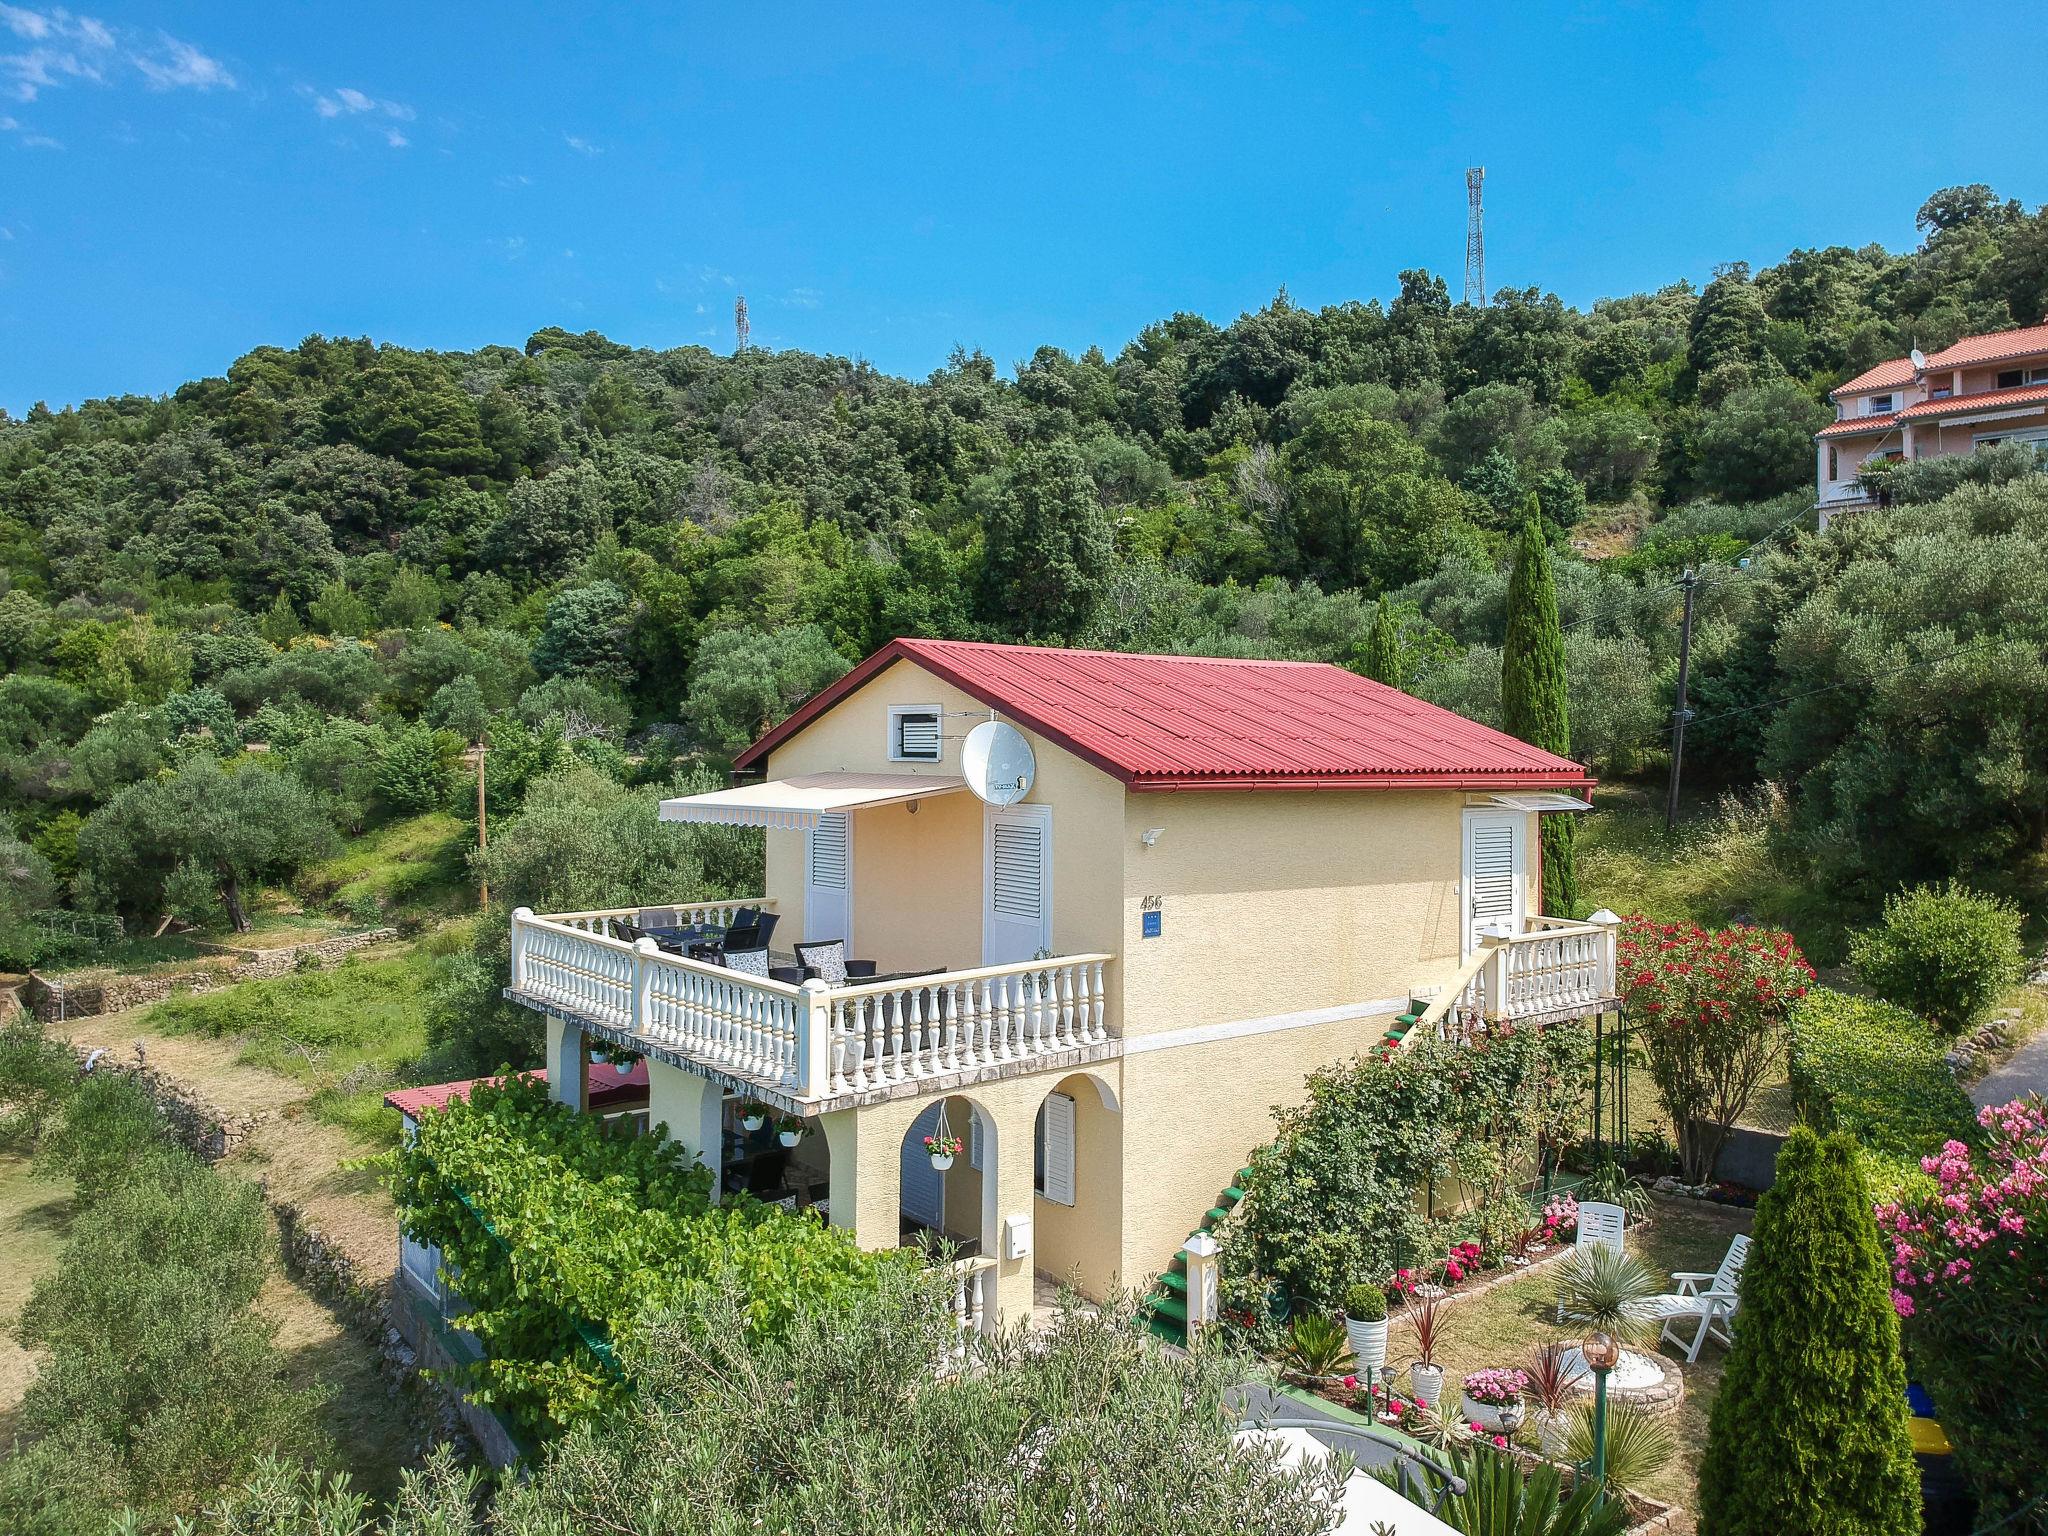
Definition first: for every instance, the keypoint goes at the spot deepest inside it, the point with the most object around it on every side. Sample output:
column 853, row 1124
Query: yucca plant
column 1602, row 1289
column 1639, row 1444
column 1498, row 1498
column 1611, row 1182
column 1551, row 1372
column 1316, row 1349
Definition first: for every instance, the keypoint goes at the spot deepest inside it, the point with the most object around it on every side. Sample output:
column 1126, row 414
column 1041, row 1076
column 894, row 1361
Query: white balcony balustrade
column 1556, row 970
column 808, row 1043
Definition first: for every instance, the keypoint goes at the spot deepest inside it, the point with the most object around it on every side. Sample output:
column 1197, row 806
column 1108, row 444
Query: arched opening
column 774, row 1157
column 952, row 1204
column 1078, row 1178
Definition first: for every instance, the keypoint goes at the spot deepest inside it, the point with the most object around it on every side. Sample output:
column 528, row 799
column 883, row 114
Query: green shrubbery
column 1875, row 1071
column 1333, row 1199
column 1945, row 952
column 570, row 1240
column 1808, row 1433
column 160, row 1383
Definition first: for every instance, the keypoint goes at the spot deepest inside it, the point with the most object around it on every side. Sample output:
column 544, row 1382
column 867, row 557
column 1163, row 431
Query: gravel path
column 2026, row 1072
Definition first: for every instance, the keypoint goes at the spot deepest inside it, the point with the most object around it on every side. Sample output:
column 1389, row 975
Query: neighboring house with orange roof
column 1981, row 391
column 1210, row 878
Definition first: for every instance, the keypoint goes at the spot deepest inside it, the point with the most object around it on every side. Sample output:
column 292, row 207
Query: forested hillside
column 360, row 558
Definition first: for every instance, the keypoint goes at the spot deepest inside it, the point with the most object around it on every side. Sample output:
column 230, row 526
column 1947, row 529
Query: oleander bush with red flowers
column 1969, row 1257
column 1709, row 1008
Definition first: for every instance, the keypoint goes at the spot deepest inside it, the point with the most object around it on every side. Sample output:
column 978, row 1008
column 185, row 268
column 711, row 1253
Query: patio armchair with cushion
column 1702, row 1311
column 748, row 962
column 827, row 957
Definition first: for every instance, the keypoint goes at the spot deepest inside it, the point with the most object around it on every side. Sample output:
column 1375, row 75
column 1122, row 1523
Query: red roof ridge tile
column 1212, row 722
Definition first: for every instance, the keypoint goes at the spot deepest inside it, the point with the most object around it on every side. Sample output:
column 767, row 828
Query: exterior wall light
column 1151, row 835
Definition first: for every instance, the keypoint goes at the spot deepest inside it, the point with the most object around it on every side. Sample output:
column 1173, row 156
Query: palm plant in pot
column 1552, row 1372
column 1426, row 1317
column 1316, row 1349
column 1365, row 1323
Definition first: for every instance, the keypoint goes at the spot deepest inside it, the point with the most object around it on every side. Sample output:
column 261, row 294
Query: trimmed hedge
column 1876, row 1071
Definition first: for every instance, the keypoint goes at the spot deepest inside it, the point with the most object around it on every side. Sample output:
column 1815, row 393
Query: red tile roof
column 1859, row 424
column 1987, row 399
column 1886, row 375
column 608, row 1085
column 1199, row 722
column 1972, row 350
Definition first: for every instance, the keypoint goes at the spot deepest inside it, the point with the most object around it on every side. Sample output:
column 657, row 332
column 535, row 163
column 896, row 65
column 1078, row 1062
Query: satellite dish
column 1919, row 360
column 997, row 763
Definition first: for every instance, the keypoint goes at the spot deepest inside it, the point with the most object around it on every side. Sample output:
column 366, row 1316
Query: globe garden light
column 1602, row 1351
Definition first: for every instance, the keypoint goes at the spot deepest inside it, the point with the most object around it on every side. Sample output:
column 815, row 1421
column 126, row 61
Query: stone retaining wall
column 87, row 994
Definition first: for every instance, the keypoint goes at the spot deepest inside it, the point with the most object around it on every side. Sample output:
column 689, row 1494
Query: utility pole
column 483, row 841
column 1680, row 714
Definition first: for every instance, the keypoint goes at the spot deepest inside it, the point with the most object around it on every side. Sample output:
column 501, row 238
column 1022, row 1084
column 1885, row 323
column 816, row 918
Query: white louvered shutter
column 917, row 737
column 1017, row 923
column 1493, row 874
column 1019, row 871
column 1056, row 1149
column 828, row 879
column 974, row 1139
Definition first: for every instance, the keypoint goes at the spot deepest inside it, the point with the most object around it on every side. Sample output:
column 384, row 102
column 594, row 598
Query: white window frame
column 895, row 742
column 1879, row 405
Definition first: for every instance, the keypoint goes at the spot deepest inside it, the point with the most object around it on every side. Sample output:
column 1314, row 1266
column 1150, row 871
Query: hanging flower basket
column 753, row 1116
column 789, row 1132
column 942, row 1149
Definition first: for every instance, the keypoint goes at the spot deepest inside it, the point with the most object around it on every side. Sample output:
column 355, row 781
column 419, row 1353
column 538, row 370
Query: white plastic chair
column 1709, row 1311
column 1600, row 1226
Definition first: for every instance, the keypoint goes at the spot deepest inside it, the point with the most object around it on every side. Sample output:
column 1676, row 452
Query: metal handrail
column 1410, row 1461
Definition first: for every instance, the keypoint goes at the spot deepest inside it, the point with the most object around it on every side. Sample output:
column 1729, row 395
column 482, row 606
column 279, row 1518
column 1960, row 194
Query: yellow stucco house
column 1224, row 875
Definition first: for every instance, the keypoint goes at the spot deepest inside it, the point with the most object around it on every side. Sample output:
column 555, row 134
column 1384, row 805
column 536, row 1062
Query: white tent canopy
column 796, row 803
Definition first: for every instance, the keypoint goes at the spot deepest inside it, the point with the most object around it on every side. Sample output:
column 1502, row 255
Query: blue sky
column 180, row 183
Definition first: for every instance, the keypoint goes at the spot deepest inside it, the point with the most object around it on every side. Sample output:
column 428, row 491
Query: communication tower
column 742, row 337
column 1475, row 239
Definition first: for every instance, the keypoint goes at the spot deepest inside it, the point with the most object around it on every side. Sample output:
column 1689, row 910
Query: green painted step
column 1216, row 1214
column 1174, row 1282
column 1173, row 1307
column 1166, row 1330
column 1233, row 1194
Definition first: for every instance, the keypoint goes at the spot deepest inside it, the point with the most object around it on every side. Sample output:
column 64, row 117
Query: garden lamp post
column 1602, row 1352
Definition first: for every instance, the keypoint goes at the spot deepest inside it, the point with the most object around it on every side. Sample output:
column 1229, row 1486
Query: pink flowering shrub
column 1969, row 1264
column 1561, row 1218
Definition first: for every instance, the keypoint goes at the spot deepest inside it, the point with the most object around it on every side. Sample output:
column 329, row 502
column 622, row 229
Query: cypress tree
column 1382, row 659
column 1532, row 698
column 1808, row 1435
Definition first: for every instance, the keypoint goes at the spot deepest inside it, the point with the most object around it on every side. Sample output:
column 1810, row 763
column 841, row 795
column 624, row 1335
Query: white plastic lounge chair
column 1702, row 1312
column 1600, row 1226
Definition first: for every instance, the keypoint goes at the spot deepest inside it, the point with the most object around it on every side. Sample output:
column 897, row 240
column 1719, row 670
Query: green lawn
column 416, row 867
column 35, row 1216
column 351, row 1031
column 1506, row 1324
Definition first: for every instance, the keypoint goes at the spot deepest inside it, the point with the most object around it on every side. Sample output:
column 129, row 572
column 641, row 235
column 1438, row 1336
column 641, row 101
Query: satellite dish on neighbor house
column 1919, row 360
column 997, row 763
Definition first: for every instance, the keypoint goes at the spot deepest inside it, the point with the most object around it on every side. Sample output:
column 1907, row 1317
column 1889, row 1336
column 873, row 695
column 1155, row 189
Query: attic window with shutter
column 914, row 733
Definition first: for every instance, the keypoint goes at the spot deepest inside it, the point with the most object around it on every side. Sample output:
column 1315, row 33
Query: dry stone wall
column 87, row 994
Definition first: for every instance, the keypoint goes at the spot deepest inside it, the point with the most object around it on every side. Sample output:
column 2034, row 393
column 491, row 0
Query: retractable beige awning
column 796, row 803
column 1542, row 800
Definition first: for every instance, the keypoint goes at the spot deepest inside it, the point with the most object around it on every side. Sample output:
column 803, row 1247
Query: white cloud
column 28, row 137
column 68, row 47
column 174, row 64
column 804, row 298
column 395, row 139
column 347, row 101
column 581, row 146
column 515, row 180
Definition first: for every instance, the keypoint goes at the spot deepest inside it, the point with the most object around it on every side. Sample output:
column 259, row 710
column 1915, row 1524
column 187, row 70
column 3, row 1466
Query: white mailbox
column 1016, row 1237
